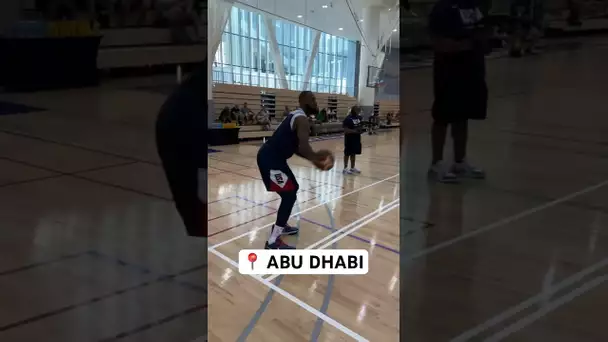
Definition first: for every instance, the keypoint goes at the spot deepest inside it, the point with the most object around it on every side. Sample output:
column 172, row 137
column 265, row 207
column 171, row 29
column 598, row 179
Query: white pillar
column 217, row 16
column 311, row 61
column 369, row 51
column 279, row 68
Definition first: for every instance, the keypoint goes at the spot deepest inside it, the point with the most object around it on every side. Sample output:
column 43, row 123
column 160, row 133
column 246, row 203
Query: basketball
column 327, row 163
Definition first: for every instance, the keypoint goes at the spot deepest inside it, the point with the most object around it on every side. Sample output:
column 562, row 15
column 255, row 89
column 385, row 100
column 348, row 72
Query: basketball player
column 291, row 137
column 352, row 139
column 180, row 132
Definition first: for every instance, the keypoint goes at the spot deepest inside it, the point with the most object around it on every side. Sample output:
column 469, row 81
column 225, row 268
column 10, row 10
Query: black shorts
column 460, row 89
column 275, row 172
column 352, row 144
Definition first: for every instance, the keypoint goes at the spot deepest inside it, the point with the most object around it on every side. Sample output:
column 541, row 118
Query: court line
column 366, row 219
column 239, row 210
column 156, row 323
column 258, row 314
column 219, row 244
column 550, row 307
column 221, row 199
column 301, row 165
column 316, row 332
column 571, row 280
column 356, row 225
column 356, row 237
column 42, row 263
column 261, row 217
column 296, row 300
column 90, row 301
column 249, row 167
column 145, row 270
column 354, row 229
column 506, row 220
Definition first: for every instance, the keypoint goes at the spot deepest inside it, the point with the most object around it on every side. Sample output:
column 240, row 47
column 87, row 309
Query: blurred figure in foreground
column 460, row 44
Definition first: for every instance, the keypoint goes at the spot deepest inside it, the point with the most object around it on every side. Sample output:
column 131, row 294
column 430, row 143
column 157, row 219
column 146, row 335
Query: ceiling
column 330, row 16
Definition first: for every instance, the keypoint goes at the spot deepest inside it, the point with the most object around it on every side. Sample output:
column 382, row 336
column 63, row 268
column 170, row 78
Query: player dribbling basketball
column 291, row 137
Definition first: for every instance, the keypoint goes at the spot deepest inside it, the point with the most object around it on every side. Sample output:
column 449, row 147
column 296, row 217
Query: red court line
column 254, row 206
column 255, row 219
column 310, row 180
column 237, row 211
column 249, row 167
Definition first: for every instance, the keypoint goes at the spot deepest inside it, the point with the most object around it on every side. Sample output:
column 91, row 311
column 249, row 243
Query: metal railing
column 270, row 80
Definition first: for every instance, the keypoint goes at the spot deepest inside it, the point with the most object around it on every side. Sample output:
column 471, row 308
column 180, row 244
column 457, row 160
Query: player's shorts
column 352, row 144
column 276, row 174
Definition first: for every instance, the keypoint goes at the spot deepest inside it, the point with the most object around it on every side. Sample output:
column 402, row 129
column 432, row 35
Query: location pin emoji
column 252, row 258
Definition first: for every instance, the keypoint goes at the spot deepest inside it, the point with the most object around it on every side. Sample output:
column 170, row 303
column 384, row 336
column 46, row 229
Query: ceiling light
column 360, row 20
column 389, row 9
column 300, row 16
column 324, row 6
column 340, row 29
column 394, row 30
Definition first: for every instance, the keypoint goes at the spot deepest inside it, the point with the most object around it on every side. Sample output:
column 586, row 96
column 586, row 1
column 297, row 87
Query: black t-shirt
column 456, row 19
column 352, row 122
column 185, row 109
column 459, row 20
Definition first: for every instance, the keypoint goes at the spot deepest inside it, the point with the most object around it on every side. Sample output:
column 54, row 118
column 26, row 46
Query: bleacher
column 228, row 95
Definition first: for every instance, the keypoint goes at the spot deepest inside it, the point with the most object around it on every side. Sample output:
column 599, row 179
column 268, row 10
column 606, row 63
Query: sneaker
column 442, row 174
column 289, row 230
column 278, row 244
column 355, row 171
column 347, row 172
column 464, row 169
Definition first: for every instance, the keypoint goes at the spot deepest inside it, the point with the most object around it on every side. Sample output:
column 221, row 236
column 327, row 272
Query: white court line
column 573, row 279
column 503, row 222
column 552, row 306
column 354, row 229
column 219, row 244
column 297, row 301
column 377, row 214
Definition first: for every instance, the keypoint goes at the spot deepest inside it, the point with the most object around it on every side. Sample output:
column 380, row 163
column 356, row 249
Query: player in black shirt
column 460, row 44
column 180, row 131
column 352, row 139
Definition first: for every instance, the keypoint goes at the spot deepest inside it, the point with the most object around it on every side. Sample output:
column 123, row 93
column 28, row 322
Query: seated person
column 333, row 115
column 236, row 113
column 263, row 118
column 225, row 116
column 389, row 118
column 322, row 115
column 248, row 115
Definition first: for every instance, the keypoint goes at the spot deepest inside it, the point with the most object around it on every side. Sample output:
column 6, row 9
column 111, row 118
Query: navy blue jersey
column 352, row 122
column 283, row 144
column 456, row 19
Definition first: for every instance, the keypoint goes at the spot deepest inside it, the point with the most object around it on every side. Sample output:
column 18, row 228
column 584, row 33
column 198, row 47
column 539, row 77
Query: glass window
column 244, row 55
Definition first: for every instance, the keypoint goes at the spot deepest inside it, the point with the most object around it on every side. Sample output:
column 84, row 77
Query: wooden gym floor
column 91, row 248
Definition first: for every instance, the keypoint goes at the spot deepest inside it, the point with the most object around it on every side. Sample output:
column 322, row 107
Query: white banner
column 304, row 261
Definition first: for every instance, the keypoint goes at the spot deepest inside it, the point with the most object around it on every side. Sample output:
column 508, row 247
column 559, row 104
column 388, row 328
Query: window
column 244, row 55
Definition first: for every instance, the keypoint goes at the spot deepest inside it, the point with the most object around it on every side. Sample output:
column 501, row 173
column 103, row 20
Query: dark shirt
column 182, row 120
column 456, row 19
column 352, row 122
column 284, row 143
column 186, row 109
column 459, row 20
